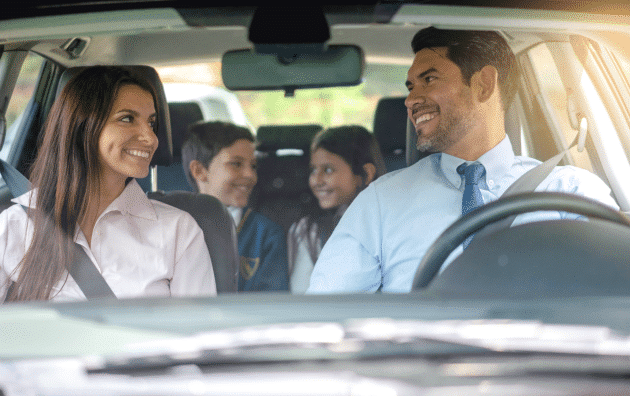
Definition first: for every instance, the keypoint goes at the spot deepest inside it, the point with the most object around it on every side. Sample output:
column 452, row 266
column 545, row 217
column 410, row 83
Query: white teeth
column 425, row 117
column 138, row 153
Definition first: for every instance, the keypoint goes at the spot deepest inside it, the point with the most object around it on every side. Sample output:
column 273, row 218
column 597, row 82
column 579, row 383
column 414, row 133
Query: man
column 219, row 160
column 460, row 84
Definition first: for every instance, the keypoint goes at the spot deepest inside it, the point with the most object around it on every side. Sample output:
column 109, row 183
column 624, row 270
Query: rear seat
column 282, row 192
column 390, row 129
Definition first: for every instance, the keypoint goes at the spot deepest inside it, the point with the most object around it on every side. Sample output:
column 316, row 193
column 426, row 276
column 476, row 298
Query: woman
column 98, row 138
column 219, row 160
column 344, row 160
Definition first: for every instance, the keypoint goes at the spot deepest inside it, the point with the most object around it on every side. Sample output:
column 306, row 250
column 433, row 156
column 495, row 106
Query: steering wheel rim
column 482, row 216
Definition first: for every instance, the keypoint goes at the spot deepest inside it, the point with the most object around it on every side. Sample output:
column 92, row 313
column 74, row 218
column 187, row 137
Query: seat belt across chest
column 82, row 269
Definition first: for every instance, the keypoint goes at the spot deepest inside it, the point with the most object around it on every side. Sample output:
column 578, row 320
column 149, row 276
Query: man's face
column 439, row 104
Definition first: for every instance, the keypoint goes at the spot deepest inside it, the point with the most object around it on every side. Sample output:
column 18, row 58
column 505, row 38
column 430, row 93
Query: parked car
column 568, row 337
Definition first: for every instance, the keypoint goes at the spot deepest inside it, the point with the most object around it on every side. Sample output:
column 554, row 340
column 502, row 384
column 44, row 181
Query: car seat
column 390, row 128
column 282, row 192
column 172, row 177
column 213, row 218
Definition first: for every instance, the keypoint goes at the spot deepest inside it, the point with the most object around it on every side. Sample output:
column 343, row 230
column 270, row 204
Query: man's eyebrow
column 421, row 75
column 429, row 71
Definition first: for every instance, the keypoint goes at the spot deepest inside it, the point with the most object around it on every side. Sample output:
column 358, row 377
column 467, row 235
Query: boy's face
column 231, row 175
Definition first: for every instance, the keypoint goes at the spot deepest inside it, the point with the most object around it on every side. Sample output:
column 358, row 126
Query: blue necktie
column 472, row 195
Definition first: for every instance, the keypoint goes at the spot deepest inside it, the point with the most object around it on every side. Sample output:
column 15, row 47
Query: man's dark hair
column 471, row 50
column 205, row 140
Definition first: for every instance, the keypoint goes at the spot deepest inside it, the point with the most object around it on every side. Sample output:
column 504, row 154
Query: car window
column 22, row 93
column 327, row 107
column 554, row 101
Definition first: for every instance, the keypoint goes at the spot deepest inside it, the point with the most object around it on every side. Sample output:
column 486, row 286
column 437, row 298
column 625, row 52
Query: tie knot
column 472, row 172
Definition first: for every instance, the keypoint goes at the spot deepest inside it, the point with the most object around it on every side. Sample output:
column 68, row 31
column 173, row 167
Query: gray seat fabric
column 218, row 229
column 390, row 128
column 282, row 192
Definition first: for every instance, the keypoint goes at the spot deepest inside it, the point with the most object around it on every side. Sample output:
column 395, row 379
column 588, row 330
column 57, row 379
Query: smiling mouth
column 322, row 193
column 138, row 153
column 426, row 117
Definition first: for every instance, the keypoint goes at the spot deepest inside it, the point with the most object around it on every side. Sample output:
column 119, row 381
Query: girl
column 98, row 138
column 344, row 160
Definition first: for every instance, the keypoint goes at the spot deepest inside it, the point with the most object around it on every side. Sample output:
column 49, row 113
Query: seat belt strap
column 527, row 183
column 82, row 269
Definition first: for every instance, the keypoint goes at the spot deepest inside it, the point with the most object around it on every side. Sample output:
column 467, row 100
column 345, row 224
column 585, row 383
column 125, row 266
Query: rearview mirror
column 338, row 65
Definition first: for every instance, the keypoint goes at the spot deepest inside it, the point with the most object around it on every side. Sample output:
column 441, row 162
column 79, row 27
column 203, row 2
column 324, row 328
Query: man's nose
column 415, row 96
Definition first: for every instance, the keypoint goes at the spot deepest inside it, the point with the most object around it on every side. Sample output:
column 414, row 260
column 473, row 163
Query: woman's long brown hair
column 66, row 176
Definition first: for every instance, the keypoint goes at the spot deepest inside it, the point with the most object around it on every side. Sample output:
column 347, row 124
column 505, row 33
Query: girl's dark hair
column 357, row 146
column 471, row 50
column 205, row 140
column 66, row 173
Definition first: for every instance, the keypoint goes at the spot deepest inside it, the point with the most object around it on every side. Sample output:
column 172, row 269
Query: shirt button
column 491, row 183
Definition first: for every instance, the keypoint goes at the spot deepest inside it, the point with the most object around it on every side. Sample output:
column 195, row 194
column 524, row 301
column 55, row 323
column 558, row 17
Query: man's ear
column 486, row 83
column 370, row 171
column 198, row 171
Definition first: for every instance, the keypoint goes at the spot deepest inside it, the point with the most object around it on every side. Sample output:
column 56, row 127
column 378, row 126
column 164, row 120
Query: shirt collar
column 497, row 161
column 131, row 201
column 236, row 213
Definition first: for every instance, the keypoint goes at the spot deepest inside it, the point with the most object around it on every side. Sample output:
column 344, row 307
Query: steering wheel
column 500, row 209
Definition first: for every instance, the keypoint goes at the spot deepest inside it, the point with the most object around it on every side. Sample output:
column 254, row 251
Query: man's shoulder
column 574, row 174
column 404, row 175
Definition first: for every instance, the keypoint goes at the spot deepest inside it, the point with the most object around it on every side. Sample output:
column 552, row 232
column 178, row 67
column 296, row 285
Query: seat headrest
column 390, row 124
column 164, row 152
column 274, row 137
column 183, row 114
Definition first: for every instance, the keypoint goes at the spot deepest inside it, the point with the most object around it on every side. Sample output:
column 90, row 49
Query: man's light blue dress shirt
column 388, row 228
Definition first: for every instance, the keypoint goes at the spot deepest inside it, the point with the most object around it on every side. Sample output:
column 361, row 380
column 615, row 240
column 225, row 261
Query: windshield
column 455, row 222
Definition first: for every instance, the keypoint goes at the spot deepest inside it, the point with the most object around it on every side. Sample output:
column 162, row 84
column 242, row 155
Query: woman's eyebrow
column 133, row 112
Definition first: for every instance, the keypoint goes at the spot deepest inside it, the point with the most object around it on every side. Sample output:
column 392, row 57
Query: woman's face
column 232, row 174
column 332, row 180
column 127, row 142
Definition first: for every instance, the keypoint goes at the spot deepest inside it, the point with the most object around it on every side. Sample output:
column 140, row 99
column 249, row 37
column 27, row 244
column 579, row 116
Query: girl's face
column 332, row 180
column 127, row 142
column 232, row 174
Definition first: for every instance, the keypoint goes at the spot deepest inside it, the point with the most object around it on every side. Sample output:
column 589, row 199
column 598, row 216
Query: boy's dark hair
column 471, row 50
column 205, row 140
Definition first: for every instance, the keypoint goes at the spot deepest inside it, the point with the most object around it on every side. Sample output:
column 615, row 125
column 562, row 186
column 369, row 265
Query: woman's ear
column 370, row 171
column 198, row 171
